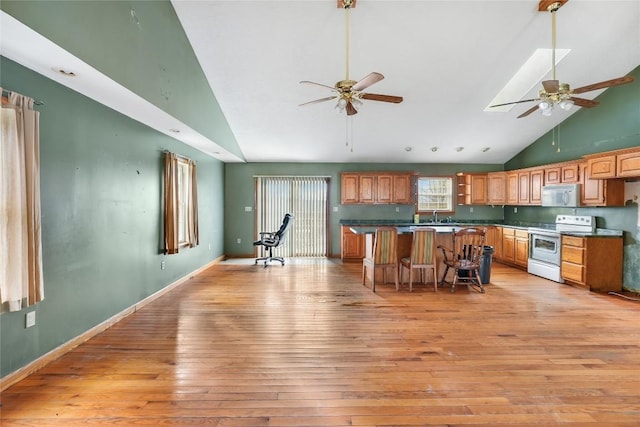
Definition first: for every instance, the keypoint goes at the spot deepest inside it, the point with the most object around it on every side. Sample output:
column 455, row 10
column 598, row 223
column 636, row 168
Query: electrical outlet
column 238, row 240
column 30, row 319
column 471, row 210
column 247, row 209
column 397, row 208
column 161, row 265
column 335, row 209
column 515, row 210
column 209, row 246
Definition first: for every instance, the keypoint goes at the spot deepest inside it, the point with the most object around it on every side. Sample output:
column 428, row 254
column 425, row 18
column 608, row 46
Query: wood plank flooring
column 307, row 345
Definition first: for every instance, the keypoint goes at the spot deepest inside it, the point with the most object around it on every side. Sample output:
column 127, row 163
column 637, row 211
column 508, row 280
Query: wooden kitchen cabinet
column 472, row 189
column 521, row 248
column 352, row 245
column 384, row 190
column 523, row 187
column 515, row 246
column 600, row 192
column 628, row 165
column 512, row 188
column 376, row 188
column 494, row 238
column 349, row 188
column 536, row 181
column 497, row 188
column 509, row 245
column 594, row 263
column 367, row 189
column 602, row 167
column 403, row 189
column 561, row 174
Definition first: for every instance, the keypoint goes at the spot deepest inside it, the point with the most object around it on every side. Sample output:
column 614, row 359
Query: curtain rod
column 8, row 92
column 179, row 156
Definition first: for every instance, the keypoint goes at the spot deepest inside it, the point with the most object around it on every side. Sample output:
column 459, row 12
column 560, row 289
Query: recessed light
column 174, row 130
column 485, row 149
column 407, row 149
column 64, row 72
column 458, row 149
column 434, row 149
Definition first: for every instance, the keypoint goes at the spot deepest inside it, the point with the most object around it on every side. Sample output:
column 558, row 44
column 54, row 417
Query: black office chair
column 272, row 240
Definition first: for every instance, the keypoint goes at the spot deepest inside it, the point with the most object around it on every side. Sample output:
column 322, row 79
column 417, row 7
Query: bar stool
column 422, row 256
column 385, row 255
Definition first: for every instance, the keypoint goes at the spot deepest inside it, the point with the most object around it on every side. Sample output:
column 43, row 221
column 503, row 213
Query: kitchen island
column 444, row 237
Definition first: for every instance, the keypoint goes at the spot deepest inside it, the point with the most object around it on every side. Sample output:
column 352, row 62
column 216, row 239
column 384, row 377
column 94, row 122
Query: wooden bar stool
column 422, row 256
column 385, row 255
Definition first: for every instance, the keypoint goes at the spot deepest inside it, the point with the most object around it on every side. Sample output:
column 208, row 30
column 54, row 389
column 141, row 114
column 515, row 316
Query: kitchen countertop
column 370, row 226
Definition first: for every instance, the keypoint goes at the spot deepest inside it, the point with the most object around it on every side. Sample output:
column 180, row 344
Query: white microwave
column 562, row 195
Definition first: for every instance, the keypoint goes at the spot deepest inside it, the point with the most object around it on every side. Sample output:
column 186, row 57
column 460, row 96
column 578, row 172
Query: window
column 435, row 193
column 183, row 201
column 180, row 203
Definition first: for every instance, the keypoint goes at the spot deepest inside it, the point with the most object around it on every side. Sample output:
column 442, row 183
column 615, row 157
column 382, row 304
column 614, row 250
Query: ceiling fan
column 553, row 91
column 349, row 93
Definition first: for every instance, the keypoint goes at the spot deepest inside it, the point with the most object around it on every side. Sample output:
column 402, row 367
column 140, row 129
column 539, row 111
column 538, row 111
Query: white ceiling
column 448, row 59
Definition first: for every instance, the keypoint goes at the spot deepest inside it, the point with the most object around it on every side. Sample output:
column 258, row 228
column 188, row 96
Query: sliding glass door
column 306, row 198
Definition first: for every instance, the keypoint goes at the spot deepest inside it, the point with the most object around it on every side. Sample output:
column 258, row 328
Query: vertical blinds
column 306, row 198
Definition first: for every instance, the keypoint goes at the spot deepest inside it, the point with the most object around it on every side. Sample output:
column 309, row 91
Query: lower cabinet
column 509, row 245
column 522, row 248
column 494, row 238
column 352, row 245
column 594, row 263
column 515, row 246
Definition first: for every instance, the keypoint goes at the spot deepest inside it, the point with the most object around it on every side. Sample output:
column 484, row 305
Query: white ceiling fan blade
column 316, row 101
column 318, row 84
column 367, row 81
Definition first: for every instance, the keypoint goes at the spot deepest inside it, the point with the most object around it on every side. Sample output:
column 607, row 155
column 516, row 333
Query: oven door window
column 545, row 249
column 548, row 245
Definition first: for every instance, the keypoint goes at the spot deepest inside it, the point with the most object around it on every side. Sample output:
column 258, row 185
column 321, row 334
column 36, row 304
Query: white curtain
column 21, row 282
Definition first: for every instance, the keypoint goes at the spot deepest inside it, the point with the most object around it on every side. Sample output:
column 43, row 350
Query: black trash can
column 485, row 264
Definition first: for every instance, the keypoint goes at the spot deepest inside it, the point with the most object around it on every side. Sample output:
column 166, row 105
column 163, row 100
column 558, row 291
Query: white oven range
column 545, row 244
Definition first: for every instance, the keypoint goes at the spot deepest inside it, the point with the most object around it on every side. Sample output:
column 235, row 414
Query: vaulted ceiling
column 447, row 59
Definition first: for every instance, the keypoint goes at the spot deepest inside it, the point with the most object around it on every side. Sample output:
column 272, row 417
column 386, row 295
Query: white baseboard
column 12, row 378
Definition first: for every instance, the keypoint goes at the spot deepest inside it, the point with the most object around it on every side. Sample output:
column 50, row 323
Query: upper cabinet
column 376, row 188
column 614, row 164
column 497, row 188
column 564, row 173
column 600, row 192
column 472, row 189
column 524, row 186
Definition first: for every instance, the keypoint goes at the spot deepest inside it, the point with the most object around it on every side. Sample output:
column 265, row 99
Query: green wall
column 101, row 192
column 614, row 124
column 239, row 193
column 148, row 54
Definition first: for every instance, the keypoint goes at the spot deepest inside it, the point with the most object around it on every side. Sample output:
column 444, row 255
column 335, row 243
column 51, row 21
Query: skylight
column 526, row 78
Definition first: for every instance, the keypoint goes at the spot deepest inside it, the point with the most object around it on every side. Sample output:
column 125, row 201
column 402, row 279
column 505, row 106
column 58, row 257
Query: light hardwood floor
column 307, row 345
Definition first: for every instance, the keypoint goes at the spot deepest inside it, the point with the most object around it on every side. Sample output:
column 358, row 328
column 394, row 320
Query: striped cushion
column 386, row 246
column 423, row 247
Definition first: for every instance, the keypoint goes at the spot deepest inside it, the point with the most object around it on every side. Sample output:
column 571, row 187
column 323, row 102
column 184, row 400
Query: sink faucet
column 435, row 216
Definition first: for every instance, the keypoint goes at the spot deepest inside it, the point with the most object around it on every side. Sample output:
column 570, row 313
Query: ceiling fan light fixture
column 356, row 103
column 566, row 104
column 544, row 105
column 546, row 112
